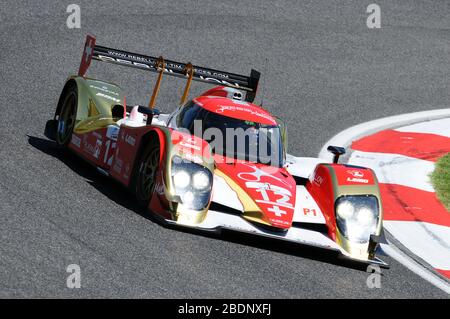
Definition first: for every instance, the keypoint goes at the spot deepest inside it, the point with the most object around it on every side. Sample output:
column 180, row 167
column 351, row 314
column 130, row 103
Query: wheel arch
column 155, row 134
column 89, row 92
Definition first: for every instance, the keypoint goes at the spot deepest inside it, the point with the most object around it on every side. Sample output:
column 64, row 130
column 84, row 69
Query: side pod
column 332, row 184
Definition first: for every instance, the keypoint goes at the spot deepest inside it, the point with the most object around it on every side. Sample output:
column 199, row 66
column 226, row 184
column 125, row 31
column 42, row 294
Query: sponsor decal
column 358, row 180
column 76, row 140
column 357, row 177
column 355, row 173
column 279, row 221
column 209, row 73
column 91, row 146
column 118, row 165
column 234, row 108
column 104, row 89
column 112, row 132
column 109, row 149
column 195, row 147
column 218, row 81
column 346, row 176
column 318, row 180
column 145, row 63
column 130, row 139
column 309, row 212
column 98, row 147
column 189, row 142
column 108, row 97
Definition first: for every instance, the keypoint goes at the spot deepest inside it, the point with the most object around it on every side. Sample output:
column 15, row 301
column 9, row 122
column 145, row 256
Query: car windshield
column 235, row 138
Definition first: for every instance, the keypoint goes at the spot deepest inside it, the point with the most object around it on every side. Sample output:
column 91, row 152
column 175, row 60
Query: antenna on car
column 264, row 82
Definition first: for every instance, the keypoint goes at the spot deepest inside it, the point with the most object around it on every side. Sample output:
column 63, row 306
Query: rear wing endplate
column 162, row 66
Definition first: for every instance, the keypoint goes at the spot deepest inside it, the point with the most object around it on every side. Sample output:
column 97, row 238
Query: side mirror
column 337, row 151
column 149, row 112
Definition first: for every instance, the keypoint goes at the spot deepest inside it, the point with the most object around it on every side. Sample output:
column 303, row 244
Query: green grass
column 441, row 180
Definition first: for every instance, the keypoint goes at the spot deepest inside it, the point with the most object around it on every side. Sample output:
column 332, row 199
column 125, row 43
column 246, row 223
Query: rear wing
column 249, row 84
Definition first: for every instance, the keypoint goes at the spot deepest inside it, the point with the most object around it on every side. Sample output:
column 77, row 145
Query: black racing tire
column 147, row 166
column 66, row 116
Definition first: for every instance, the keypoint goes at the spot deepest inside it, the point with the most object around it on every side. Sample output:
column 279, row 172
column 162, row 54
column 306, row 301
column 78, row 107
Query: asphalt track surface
column 323, row 71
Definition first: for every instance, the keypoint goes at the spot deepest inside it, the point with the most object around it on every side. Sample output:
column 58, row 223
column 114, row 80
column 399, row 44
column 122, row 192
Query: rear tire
column 66, row 116
column 145, row 174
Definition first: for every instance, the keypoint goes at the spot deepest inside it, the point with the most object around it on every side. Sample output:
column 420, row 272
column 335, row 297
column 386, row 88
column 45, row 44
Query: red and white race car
column 217, row 161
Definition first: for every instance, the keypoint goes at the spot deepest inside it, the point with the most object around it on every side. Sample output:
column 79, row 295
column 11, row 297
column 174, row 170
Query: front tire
column 145, row 174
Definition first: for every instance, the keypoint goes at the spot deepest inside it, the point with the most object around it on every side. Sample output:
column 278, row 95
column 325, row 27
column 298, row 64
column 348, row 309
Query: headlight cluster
column 357, row 217
column 192, row 182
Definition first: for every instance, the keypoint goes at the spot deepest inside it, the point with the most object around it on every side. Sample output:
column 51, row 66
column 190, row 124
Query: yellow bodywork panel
column 95, row 102
column 252, row 212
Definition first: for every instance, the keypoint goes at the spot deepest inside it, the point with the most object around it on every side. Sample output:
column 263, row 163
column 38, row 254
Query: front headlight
column 181, row 178
column 366, row 217
column 192, row 183
column 200, row 180
column 357, row 217
column 345, row 209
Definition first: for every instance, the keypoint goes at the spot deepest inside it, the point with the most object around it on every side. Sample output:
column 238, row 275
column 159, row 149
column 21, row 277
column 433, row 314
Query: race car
column 218, row 161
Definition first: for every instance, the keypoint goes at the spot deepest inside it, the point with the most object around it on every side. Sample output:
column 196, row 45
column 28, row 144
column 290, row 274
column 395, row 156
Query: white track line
column 346, row 137
column 430, row 242
column 439, row 127
column 396, row 169
column 415, row 267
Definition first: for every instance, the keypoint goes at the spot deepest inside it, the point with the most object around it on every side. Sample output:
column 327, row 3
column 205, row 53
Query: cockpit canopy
column 234, row 137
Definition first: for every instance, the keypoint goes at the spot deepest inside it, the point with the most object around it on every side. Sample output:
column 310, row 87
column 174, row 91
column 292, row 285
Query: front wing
column 216, row 221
